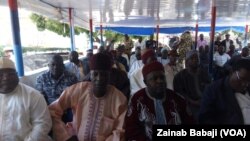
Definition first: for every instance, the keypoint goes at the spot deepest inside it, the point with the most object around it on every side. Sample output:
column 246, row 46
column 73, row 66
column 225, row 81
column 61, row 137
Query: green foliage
column 1, row 51
column 40, row 21
column 117, row 37
column 234, row 32
column 63, row 29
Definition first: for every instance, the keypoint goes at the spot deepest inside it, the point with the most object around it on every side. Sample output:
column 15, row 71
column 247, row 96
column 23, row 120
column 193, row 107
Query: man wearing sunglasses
column 227, row 101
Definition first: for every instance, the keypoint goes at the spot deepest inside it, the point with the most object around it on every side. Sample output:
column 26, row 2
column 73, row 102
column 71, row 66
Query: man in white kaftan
column 136, row 78
column 23, row 111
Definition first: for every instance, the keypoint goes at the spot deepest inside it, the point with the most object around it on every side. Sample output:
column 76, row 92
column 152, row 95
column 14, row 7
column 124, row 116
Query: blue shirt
column 51, row 88
column 86, row 68
column 73, row 68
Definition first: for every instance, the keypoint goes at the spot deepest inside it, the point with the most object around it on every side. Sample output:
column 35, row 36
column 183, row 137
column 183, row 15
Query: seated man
column 75, row 65
column 220, row 58
column 171, row 69
column 227, row 101
column 136, row 55
column 119, row 78
column 52, row 83
column 85, row 61
column 191, row 82
column 136, row 78
column 164, row 59
column 98, row 108
column 230, row 63
column 24, row 114
column 120, row 58
column 154, row 104
column 135, row 61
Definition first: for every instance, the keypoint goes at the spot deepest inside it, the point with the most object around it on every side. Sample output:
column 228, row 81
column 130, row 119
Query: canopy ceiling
column 142, row 13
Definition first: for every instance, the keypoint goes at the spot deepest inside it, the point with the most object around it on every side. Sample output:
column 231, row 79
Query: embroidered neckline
column 99, row 98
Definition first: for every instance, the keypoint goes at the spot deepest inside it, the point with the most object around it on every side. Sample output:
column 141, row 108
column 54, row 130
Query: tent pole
column 196, row 35
column 17, row 46
column 213, row 22
column 157, row 36
column 72, row 31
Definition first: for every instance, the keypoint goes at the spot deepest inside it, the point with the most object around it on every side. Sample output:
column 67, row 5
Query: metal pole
column 213, row 22
column 72, row 31
column 90, row 25
column 196, row 35
column 101, row 28
column 101, row 32
column 17, row 46
column 246, row 31
column 157, row 36
column 91, row 33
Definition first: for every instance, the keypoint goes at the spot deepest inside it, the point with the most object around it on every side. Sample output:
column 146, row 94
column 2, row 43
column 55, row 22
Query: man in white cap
column 24, row 114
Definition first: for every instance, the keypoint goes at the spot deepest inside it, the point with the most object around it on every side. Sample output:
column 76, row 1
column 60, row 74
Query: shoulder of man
column 175, row 96
column 138, row 94
column 28, row 90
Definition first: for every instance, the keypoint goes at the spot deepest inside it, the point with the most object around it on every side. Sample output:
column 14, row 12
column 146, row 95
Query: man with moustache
column 155, row 104
column 98, row 108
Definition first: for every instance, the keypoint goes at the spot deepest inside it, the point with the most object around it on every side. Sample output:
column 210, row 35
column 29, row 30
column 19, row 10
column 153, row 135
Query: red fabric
column 146, row 55
column 141, row 114
column 154, row 66
column 100, row 61
column 13, row 5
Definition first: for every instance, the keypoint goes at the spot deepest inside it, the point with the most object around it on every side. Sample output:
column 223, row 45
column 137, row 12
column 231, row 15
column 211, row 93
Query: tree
column 117, row 37
column 234, row 32
column 1, row 51
column 63, row 29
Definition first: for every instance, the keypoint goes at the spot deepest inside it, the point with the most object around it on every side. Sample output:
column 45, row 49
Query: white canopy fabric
column 141, row 13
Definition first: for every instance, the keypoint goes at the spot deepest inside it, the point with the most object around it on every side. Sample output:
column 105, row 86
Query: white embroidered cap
column 6, row 63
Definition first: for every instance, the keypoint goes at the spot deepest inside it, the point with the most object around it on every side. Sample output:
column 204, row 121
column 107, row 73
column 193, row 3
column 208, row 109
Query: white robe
column 244, row 103
column 170, row 72
column 24, row 115
column 163, row 61
column 137, row 64
column 136, row 81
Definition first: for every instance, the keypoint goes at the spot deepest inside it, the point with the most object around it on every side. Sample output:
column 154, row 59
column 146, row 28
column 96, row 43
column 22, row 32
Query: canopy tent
column 136, row 16
column 170, row 30
column 142, row 13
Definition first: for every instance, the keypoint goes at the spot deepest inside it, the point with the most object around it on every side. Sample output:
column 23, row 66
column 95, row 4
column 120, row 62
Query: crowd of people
column 120, row 94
